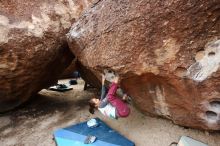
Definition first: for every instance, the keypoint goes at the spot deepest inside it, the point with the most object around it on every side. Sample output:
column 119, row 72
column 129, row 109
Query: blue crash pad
column 76, row 134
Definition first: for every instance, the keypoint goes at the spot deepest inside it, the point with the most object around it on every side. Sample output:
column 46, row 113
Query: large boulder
column 167, row 53
column 33, row 49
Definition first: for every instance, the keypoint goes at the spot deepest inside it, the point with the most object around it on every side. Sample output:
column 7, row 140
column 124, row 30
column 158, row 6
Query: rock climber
column 110, row 104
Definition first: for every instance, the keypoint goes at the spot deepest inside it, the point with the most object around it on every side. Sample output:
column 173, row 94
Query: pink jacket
column 122, row 108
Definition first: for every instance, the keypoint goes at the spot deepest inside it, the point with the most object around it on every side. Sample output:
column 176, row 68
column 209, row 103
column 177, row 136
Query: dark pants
column 103, row 92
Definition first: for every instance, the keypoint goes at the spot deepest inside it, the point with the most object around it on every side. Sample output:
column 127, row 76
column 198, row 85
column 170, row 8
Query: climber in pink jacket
column 110, row 104
column 122, row 108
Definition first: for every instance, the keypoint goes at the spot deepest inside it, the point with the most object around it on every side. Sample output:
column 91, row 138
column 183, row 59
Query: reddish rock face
column 33, row 52
column 167, row 53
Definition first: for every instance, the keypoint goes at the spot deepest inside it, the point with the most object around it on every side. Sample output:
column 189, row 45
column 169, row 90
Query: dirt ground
column 33, row 123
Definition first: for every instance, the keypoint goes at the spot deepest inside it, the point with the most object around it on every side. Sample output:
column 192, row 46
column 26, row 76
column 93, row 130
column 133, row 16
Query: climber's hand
column 116, row 79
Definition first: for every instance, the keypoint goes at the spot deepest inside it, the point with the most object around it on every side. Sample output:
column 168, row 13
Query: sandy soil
column 33, row 123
